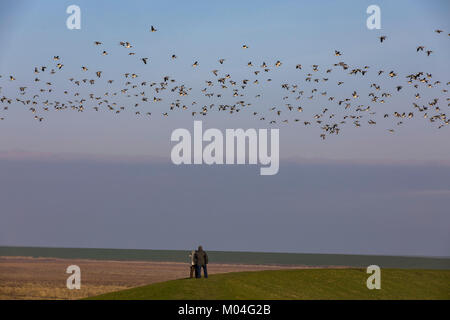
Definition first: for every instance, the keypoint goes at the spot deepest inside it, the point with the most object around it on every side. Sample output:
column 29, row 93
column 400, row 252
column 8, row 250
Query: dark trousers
column 199, row 271
column 193, row 270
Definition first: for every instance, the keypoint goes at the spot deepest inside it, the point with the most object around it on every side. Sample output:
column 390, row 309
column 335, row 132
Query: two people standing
column 199, row 260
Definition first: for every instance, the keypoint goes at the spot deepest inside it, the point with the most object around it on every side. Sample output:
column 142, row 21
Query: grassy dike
column 297, row 284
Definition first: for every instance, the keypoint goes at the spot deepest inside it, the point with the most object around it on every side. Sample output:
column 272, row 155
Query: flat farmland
column 45, row 278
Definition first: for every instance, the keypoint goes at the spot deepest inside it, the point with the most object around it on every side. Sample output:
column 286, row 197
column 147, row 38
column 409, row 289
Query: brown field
column 45, row 278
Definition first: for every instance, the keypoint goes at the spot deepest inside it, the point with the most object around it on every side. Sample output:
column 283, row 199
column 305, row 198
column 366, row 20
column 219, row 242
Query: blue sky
column 293, row 32
column 305, row 32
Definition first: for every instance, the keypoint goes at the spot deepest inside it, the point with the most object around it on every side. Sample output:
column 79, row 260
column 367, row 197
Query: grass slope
column 297, row 284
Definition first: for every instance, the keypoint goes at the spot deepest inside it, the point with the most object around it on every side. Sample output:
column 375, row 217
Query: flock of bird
column 328, row 112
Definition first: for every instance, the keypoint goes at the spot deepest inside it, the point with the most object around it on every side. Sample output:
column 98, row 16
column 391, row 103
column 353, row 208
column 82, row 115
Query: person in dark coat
column 201, row 260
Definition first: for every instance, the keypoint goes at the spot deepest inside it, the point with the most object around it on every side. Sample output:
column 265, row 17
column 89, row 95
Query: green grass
column 297, row 284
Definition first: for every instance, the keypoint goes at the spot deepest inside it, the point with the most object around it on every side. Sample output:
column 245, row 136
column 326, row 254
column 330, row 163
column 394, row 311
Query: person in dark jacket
column 201, row 260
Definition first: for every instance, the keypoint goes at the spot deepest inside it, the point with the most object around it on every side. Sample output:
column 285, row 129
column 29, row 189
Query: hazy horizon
column 237, row 251
column 379, row 209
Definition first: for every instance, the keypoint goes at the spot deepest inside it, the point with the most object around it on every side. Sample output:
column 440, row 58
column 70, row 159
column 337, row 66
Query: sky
column 97, row 179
